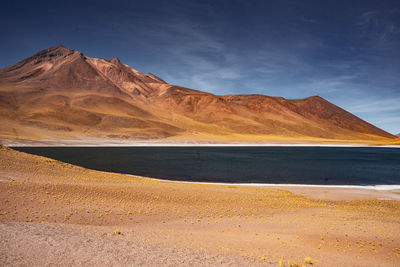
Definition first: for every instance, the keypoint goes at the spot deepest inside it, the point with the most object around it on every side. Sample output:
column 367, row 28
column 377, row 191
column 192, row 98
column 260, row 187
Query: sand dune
column 56, row 213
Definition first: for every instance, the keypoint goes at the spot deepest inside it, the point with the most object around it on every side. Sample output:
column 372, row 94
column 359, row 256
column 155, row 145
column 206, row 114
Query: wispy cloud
column 307, row 20
column 380, row 26
column 378, row 105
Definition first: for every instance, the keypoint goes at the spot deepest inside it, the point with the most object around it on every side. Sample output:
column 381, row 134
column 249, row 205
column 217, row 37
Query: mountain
column 60, row 93
column 398, row 135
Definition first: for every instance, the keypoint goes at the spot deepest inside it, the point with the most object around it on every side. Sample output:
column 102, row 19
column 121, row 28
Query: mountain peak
column 114, row 60
column 55, row 51
column 58, row 67
column 59, row 48
column 315, row 97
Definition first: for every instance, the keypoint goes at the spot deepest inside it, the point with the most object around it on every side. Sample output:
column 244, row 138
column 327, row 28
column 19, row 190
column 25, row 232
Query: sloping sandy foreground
column 52, row 213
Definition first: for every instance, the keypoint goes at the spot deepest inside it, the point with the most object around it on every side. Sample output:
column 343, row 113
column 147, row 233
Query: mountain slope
column 62, row 94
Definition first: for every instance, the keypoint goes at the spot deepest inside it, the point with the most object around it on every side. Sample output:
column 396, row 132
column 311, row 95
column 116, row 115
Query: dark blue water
column 280, row 165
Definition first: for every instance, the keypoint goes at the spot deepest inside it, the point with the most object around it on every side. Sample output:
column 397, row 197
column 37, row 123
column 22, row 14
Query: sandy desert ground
column 53, row 213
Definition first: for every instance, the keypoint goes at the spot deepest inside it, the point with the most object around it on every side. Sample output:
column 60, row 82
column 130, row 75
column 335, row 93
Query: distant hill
column 60, row 93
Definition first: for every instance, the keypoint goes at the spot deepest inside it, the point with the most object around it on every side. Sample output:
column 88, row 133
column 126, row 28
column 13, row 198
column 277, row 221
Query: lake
column 271, row 165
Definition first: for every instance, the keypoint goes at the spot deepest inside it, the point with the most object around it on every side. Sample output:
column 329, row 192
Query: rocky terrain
column 60, row 94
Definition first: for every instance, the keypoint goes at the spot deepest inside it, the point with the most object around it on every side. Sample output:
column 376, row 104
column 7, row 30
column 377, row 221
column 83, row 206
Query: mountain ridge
column 60, row 93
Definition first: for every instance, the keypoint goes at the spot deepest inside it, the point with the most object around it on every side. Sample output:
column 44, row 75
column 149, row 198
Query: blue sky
column 345, row 51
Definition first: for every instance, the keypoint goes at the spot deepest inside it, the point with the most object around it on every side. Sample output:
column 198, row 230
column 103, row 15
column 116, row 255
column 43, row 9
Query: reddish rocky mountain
column 60, row 94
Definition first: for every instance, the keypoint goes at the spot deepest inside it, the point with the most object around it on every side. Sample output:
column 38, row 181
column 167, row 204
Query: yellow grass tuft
column 308, row 260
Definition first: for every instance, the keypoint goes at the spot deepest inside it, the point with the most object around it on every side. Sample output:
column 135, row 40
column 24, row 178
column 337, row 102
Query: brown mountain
column 60, row 93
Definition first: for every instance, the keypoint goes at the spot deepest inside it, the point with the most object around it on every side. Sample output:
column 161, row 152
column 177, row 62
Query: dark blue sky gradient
column 345, row 51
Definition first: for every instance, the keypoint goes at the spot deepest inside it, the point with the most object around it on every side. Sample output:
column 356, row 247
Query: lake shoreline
column 106, row 142
column 196, row 145
column 329, row 192
column 378, row 187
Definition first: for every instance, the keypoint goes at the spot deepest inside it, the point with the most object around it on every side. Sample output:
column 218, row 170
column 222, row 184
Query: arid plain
column 55, row 213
